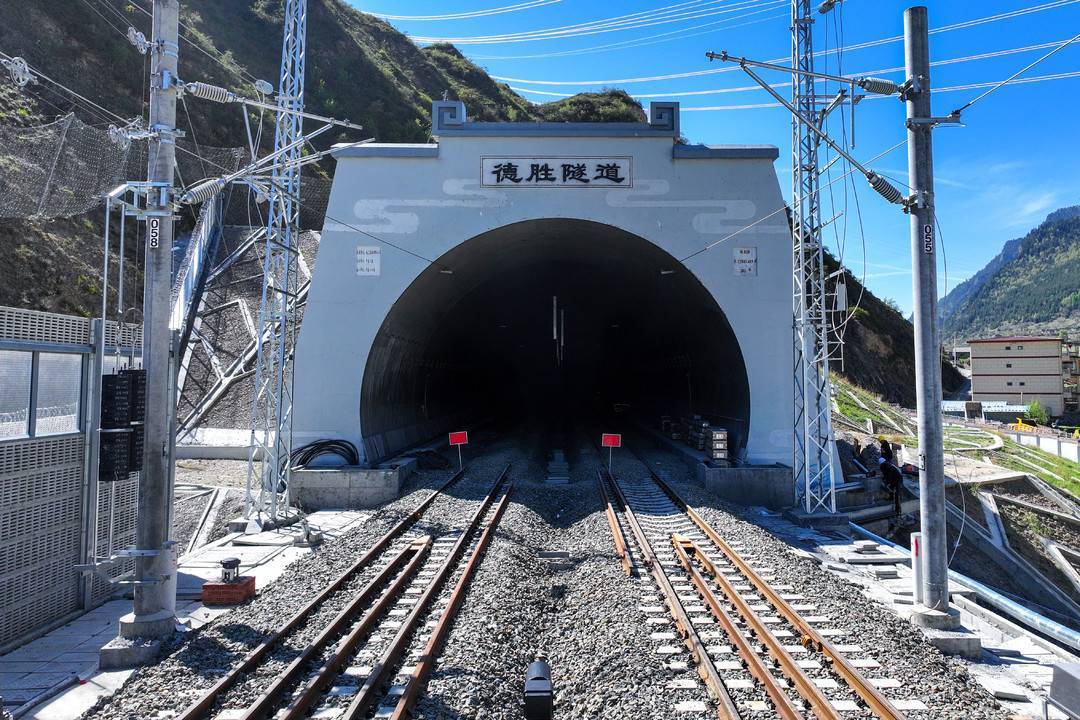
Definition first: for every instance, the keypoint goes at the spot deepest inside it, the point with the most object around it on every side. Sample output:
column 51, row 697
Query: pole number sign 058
column 928, row 239
column 154, row 232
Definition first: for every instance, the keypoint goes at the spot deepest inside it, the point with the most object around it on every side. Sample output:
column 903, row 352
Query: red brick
column 219, row 593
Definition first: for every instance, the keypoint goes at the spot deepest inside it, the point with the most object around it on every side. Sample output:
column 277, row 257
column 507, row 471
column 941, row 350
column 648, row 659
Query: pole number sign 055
column 928, row 239
column 559, row 172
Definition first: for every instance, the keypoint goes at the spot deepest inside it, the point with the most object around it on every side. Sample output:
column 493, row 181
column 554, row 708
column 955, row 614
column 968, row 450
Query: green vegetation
column 1057, row 471
column 1032, row 286
column 1037, row 413
column 607, row 106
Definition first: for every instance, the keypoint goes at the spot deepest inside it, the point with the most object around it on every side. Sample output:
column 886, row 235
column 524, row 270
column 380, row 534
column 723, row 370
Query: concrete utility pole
column 934, row 591
column 155, row 601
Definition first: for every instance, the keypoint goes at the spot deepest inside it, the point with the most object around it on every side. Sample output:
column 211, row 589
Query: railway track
column 761, row 649
column 374, row 655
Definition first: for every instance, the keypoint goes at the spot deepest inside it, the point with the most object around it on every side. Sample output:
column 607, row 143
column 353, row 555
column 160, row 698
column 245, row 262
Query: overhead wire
column 1018, row 73
column 650, row 39
column 466, row 15
column 858, row 46
column 878, row 71
column 783, row 207
column 605, row 26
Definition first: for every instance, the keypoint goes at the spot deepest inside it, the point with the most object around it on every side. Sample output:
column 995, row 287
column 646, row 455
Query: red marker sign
column 459, row 438
column 611, row 440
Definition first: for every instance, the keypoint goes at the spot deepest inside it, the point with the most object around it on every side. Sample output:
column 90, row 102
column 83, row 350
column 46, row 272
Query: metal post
column 609, row 451
column 935, row 577
column 459, row 463
column 154, row 605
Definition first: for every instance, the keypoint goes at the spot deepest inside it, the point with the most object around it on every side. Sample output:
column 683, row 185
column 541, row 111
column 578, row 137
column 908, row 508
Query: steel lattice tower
column 271, row 417
column 813, row 462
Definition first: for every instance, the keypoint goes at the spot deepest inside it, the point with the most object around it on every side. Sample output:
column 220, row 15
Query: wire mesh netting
column 66, row 167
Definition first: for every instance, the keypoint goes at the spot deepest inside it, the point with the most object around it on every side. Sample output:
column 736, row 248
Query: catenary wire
column 858, row 46
column 466, row 15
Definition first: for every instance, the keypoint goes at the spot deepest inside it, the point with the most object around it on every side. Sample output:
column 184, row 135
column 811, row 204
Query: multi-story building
column 1020, row 370
column 1070, row 372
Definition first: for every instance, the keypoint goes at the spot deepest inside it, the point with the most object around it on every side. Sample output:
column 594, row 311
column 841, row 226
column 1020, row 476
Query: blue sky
column 1017, row 159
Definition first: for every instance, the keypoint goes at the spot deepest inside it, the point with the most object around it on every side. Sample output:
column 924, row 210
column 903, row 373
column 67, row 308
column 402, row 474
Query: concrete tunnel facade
column 431, row 304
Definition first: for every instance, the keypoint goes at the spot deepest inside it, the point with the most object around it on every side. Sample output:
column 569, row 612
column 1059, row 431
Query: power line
column 1017, row 74
column 467, row 15
column 43, row 76
column 879, row 71
column 785, row 206
column 651, row 39
column 610, row 25
column 953, row 88
column 858, row 46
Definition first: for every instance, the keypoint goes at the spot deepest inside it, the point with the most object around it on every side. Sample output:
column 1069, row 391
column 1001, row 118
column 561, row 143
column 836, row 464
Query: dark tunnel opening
column 475, row 336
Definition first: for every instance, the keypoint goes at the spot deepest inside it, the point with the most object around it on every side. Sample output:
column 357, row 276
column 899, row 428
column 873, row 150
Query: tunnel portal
column 546, row 270
column 551, row 319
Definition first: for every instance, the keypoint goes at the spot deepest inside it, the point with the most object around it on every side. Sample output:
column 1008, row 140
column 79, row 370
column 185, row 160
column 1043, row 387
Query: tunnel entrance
column 548, row 318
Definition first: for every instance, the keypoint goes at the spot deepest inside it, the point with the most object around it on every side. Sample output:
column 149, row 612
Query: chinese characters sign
column 562, row 172
column 368, row 260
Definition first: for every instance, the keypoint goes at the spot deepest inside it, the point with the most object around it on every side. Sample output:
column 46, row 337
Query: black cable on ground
column 301, row 457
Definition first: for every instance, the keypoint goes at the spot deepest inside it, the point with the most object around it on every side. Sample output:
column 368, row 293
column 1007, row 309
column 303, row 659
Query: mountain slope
column 1033, row 286
column 879, row 346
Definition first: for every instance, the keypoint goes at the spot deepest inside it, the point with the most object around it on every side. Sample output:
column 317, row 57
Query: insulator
column 20, row 71
column 206, row 91
column 203, row 191
column 119, row 136
column 878, row 86
column 884, row 188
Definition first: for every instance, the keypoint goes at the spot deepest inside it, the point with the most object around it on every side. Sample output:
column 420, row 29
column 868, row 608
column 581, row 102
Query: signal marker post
column 610, row 441
column 459, row 438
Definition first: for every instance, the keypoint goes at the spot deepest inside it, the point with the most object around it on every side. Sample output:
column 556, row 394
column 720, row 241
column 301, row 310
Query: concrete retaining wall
column 771, row 486
column 1068, row 449
column 348, row 486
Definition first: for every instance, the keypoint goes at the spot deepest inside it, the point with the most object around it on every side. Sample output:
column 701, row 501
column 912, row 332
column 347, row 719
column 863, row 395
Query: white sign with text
column 745, row 260
column 368, row 260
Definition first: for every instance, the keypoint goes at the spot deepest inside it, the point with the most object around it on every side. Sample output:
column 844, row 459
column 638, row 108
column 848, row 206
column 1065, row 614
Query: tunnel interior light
column 667, row 272
column 446, row 271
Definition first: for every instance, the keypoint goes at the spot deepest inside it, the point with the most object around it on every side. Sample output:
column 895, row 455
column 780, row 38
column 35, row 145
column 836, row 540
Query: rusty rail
column 726, row 709
column 616, row 529
column 412, row 556
column 382, row 671
column 201, row 707
column 811, row 638
column 434, row 645
column 684, row 549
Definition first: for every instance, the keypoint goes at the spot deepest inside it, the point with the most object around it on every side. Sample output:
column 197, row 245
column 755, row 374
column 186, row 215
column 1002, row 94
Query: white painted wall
column 430, row 205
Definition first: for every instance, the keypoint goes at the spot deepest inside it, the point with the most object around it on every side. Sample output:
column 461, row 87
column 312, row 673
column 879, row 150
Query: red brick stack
column 229, row 593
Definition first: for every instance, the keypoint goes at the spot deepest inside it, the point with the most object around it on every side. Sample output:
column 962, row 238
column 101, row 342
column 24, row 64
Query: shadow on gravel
column 210, row 657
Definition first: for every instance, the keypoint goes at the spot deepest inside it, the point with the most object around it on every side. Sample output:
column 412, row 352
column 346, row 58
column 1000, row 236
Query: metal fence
column 54, row 514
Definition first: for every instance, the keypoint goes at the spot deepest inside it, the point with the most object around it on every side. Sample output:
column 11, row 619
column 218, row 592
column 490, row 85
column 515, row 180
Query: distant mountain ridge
column 1032, row 286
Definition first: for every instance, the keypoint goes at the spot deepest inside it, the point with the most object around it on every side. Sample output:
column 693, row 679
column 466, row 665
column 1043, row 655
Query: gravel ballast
column 579, row 610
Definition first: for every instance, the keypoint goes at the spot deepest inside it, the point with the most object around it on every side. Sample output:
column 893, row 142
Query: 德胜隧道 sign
column 561, row 172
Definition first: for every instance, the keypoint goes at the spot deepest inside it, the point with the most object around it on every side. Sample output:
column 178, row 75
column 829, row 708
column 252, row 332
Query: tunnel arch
column 472, row 335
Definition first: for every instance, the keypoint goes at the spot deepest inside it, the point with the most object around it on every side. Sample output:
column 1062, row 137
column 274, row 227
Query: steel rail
column 811, row 638
column 426, row 662
column 411, row 557
column 204, row 704
column 755, row 664
column 616, row 530
column 688, row 551
column 726, row 708
column 381, row 672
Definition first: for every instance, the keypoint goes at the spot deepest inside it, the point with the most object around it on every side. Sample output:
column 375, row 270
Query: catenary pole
column 935, row 578
column 155, row 600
